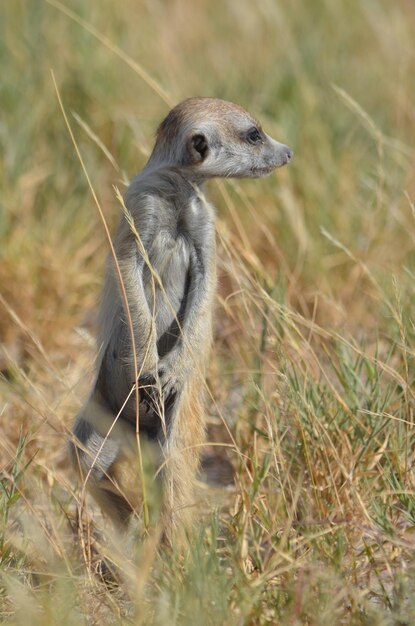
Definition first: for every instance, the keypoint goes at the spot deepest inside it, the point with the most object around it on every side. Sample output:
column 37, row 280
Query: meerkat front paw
column 169, row 386
column 158, row 392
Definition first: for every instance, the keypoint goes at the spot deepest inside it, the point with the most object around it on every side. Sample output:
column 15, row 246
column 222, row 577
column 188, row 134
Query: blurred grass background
column 313, row 363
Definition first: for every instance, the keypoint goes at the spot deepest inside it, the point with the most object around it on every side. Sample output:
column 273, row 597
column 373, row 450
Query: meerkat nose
column 288, row 154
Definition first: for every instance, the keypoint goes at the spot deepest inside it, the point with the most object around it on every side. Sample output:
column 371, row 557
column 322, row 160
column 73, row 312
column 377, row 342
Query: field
column 311, row 381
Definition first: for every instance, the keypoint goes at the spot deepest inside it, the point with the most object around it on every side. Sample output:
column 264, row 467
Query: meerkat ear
column 198, row 148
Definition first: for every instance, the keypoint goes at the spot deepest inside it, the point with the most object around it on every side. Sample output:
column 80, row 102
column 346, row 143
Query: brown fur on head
column 216, row 138
column 193, row 110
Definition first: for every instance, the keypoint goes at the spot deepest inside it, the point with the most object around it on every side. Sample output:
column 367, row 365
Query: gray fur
column 200, row 139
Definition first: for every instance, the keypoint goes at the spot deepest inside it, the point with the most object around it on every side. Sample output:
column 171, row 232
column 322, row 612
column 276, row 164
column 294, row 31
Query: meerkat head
column 216, row 138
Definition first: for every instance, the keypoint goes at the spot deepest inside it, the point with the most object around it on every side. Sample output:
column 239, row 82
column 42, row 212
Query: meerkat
column 155, row 319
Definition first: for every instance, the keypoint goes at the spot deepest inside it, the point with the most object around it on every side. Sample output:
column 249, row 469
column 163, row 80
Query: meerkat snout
column 288, row 155
column 282, row 154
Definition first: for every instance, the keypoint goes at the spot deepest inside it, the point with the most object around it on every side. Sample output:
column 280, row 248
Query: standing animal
column 155, row 324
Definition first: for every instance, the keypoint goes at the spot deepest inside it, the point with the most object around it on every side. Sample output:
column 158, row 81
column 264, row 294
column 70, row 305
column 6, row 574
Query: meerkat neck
column 159, row 163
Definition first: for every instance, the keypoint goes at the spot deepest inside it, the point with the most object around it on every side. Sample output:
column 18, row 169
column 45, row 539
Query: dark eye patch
column 254, row 136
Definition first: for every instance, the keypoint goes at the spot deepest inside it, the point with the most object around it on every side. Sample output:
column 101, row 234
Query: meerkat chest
column 165, row 278
column 195, row 221
column 178, row 259
column 168, row 256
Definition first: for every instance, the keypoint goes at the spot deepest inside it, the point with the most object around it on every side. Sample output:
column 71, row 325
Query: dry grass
column 313, row 368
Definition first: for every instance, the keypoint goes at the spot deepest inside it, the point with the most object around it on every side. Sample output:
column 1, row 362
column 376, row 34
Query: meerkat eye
column 254, row 136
